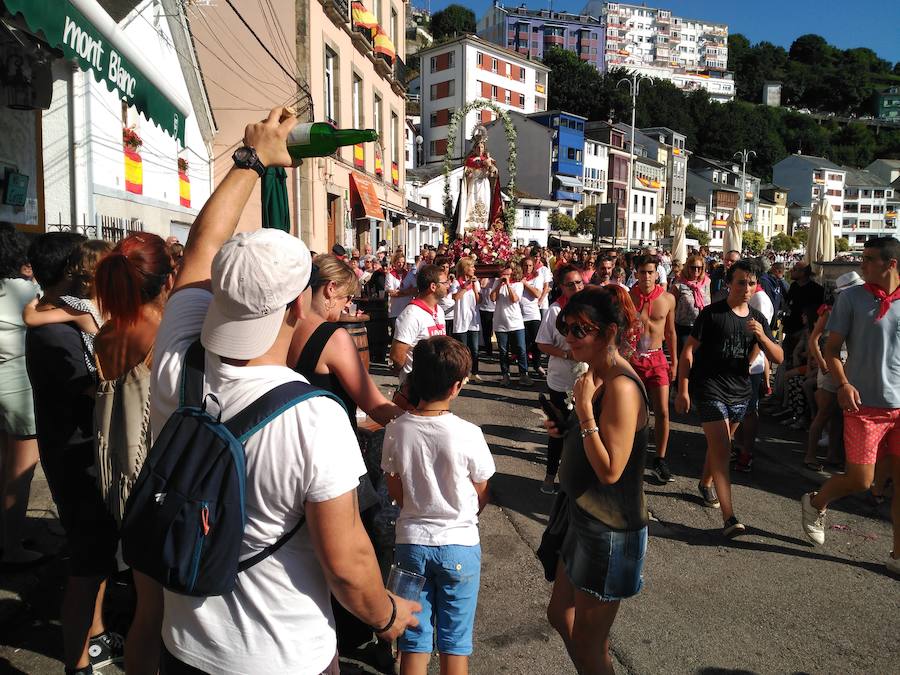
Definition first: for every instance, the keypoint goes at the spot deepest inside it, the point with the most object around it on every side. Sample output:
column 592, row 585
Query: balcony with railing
column 337, row 10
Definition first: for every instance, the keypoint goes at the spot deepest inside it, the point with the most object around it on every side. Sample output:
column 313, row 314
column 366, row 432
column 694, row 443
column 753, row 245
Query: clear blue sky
column 855, row 23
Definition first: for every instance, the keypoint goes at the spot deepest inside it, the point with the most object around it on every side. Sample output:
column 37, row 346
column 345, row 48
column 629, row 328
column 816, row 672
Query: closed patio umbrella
column 679, row 241
column 734, row 238
column 820, row 243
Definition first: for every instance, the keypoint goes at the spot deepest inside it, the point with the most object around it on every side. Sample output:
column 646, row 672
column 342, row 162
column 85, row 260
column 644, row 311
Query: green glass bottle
column 318, row 139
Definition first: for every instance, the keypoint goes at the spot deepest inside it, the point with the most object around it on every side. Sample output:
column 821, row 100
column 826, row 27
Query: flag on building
column 134, row 172
column 395, row 174
column 184, row 189
column 359, row 156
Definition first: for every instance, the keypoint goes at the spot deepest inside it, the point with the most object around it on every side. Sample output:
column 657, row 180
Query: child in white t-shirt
column 437, row 467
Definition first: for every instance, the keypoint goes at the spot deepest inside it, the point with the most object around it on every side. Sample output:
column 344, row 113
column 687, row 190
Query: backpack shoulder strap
column 253, row 418
column 272, row 404
column 192, row 376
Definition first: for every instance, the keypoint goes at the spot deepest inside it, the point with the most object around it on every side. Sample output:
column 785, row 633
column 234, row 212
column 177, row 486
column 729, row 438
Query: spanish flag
column 395, row 174
column 134, row 172
column 379, row 169
column 363, row 18
column 384, row 45
column 184, row 189
column 359, row 156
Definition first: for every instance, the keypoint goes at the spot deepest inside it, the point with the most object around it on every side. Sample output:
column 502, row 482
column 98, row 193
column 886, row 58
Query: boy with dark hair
column 438, row 466
column 714, row 374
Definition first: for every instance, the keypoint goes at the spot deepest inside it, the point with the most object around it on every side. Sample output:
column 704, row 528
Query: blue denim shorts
column 718, row 411
column 449, row 598
column 605, row 563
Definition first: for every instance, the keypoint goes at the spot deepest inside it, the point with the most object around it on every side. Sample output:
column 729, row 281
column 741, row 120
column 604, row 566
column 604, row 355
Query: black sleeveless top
column 309, row 359
column 622, row 505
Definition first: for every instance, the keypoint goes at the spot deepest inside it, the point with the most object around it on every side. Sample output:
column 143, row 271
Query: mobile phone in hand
column 550, row 411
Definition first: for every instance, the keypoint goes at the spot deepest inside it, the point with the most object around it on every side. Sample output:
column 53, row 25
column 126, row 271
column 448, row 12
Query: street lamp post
column 634, row 85
column 744, row 156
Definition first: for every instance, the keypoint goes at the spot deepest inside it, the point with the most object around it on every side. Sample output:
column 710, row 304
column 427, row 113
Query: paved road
column 767, row 603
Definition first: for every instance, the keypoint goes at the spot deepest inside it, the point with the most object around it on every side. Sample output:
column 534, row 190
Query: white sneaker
column 476, row 378
column 893, row 564
column 813, row 520
column 823, row 442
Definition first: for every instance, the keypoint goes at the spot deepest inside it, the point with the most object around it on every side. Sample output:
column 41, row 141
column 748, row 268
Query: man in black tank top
column 714, row 373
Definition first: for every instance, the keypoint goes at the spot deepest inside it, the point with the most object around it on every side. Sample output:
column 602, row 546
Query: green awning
column 85, row 33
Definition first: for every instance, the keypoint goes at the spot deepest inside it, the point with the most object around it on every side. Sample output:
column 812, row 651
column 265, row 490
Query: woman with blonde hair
column 691, row 291
column 466, row 292
column 508, row 321
column 325, row 354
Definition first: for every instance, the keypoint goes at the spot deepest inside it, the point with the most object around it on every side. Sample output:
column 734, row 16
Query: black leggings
column 487, row 330
column 534, row 355
column 555, row 445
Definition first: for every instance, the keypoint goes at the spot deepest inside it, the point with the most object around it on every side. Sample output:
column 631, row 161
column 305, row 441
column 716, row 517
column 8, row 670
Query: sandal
column 814, row 466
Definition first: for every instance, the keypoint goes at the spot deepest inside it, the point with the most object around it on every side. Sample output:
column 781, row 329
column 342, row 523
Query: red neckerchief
column 759, row 289
column 531, row 276
column 822, row 309
column 421, row 305
column 562, row 301
column 644, row 300
column 397, row 275
column 697, row 288
column 882, row 296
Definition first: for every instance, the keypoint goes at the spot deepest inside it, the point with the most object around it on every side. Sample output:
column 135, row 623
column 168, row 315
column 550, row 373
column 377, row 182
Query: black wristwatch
column 246, row 158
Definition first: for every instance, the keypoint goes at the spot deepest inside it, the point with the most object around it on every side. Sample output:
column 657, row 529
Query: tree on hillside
column 577, row 87
column 452, row 20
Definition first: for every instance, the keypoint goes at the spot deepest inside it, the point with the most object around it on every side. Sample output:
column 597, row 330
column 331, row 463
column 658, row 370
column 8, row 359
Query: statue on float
column 480, row 204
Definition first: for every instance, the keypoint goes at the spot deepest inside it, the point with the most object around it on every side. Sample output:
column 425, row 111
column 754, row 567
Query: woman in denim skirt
column 600, row 518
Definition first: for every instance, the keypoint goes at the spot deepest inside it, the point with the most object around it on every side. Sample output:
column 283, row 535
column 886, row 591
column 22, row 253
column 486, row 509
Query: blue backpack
column 184, row 520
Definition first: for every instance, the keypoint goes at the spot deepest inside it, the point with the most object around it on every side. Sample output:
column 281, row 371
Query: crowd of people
column 101, row 346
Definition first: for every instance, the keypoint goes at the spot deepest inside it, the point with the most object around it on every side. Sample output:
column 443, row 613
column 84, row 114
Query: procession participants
column 656, row 310
column 508, row 322
column 400, row 284
column 803, row 298
column 533, row 290
column 691, row 291
column 601, row 503
column 546, row 271
column 718, row 287
column 486, row 309
column 603, row 275
column 448, row 304
column 467, row 292
column 867, row 318
column 714, row 372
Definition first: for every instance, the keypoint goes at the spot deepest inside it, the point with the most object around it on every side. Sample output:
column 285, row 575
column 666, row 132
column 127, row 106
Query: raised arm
column 219, row 217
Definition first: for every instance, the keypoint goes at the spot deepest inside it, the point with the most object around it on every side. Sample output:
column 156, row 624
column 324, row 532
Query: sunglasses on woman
column 578, row 330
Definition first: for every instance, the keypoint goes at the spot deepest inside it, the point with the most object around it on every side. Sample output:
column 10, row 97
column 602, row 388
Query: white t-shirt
column 414, row 324
column 531, row 310
column 466, row 311
column 279, row 614
column 561, row 373
column 447, row 303
column 547, row 276
column 508, row 315
column 392, row 283
column 437, row 459
column 763, row 303
column 486, row 304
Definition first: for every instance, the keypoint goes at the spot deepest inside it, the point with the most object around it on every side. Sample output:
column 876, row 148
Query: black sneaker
column 661, row 470
column 106, row 649
column 733, row 528
column 710, row 498
column 744, row 463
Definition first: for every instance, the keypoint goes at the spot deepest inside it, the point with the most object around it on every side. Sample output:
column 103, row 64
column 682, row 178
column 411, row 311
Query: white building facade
column 466, row 69
column 596, row 165
column 643, row 214
column 807, row 179
column 691, row 53
column 867, row 208
column 533, row 220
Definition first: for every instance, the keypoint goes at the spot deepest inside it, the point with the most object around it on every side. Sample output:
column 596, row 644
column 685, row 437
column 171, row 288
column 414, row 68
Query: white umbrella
column 679, row 241
column 734, row 238
column 820, row 242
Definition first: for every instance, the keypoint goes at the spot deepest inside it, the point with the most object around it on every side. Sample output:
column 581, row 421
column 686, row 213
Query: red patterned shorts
column 870, row 433
column 652, row 368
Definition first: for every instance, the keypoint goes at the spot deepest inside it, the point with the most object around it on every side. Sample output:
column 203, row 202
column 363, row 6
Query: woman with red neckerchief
column 400, row 285
column 691, row 291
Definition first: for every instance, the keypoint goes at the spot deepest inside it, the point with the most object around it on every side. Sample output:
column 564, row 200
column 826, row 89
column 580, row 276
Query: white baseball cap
column 254, row 277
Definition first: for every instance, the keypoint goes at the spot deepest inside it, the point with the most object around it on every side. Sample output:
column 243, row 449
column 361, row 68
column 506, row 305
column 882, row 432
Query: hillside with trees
column 713, row 129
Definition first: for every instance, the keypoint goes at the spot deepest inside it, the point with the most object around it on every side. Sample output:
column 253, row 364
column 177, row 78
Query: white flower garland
column 509, row 213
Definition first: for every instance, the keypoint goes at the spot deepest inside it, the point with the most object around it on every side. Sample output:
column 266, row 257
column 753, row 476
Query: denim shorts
column 452, row 578
column 718, row 411
column 605, row 563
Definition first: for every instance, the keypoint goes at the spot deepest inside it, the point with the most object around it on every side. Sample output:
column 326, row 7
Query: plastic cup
column 407, row 585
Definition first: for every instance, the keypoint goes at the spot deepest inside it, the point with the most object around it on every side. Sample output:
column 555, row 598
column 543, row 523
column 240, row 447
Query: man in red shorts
column 656, row 311
column 867, row 318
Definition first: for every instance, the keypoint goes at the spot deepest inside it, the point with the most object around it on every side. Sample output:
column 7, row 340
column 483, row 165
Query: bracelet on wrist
column 390, row 623
column 587, row 432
